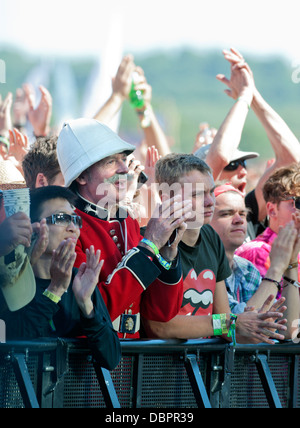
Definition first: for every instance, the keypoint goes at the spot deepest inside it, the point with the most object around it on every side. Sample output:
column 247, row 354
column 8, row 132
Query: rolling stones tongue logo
column 198, row 293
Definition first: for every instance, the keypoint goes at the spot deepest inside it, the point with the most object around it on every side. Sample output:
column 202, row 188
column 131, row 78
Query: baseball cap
column 238, row 154
column 17, row 279
column 84, row 142
column 227, row 187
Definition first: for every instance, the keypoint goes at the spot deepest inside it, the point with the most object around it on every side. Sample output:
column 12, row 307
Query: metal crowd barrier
column 152, row 374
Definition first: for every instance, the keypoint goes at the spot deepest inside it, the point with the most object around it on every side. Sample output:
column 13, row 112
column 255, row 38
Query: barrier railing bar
column 24, row 381
column 225, row 388
column 55, row 356
column 107, row 387
column 267, row 381
column 44, row 386
column 137, row 381
column 294, row 376
column 196, row 382
column 287, row 347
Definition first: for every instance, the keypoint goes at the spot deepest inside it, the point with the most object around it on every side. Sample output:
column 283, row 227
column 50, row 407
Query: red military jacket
column 131, row 281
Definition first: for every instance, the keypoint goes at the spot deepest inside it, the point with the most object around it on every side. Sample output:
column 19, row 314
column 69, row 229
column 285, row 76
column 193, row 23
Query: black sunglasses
column 233, row 166
column 64, row 220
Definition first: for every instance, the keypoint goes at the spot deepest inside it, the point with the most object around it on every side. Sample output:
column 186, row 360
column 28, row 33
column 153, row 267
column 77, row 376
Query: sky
column 81, row 28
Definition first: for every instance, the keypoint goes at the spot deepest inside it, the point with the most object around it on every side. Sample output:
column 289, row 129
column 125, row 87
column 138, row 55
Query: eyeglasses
column 64, row 220
column 233, row 166
column 296, row 199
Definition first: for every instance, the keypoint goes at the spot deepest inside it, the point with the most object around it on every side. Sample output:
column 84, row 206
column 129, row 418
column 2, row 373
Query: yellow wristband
column 220, row 324
column 52, row 296
column 224, row 323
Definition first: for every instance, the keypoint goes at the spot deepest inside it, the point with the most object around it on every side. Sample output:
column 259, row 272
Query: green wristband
column 232, row 330
column 151, row 245
column 219, row 324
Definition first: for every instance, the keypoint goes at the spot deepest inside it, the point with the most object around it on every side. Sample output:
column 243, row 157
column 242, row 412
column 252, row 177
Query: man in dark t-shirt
column 204, row 262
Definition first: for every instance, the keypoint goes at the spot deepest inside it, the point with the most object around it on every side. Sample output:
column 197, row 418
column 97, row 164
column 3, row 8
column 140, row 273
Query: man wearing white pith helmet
column 140, row 278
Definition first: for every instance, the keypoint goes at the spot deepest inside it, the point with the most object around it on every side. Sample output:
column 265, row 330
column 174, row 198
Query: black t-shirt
column 203, row 266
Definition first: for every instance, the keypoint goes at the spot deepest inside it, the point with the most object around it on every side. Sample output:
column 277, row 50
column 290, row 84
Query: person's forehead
column 55, row 206
column 116, row 156
column 196, row 176
column 231, row 200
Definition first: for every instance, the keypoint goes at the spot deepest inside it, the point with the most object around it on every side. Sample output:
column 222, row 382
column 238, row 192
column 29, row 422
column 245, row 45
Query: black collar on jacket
column 98, row 212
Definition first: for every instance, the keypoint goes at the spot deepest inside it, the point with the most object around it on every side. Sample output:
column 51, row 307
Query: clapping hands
column 86, row 280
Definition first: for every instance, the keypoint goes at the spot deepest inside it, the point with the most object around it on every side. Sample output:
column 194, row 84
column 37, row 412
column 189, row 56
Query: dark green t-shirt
column 203, row 266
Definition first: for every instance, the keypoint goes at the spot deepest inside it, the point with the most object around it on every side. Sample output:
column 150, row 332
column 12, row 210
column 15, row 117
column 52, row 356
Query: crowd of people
column 126, row 243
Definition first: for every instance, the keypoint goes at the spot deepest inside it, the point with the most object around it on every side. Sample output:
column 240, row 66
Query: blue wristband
column 166, row 265
column 151, row 245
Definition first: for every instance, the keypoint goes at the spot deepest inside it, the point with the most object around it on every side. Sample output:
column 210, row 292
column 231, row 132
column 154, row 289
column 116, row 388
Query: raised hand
column 5, row 115
column 241, row 82
column 121, row 83
column 41, row 116
column 14, row 231
column 86, row 280
column 19, row 145
column 167, row 217
column 42, row 231
column 285, row 248
column 63, row 259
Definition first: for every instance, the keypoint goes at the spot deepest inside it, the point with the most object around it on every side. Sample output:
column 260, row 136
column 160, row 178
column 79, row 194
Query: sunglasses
column 64, row 220
column 233, row 166
column 296, row 199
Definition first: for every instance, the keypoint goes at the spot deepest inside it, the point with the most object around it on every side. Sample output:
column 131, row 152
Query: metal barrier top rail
column 152, row 346
column 152, row 373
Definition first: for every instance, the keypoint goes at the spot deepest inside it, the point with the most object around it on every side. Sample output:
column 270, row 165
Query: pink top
column 258, row 251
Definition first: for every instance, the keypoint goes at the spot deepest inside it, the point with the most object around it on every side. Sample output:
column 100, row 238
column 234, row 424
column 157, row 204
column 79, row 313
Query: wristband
column 232, row 330
column 278, row 284
column 164, row 263
column 151, row 245
column 292, row 281
column 219, row 324
column 52, row 296
column 293, row 266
